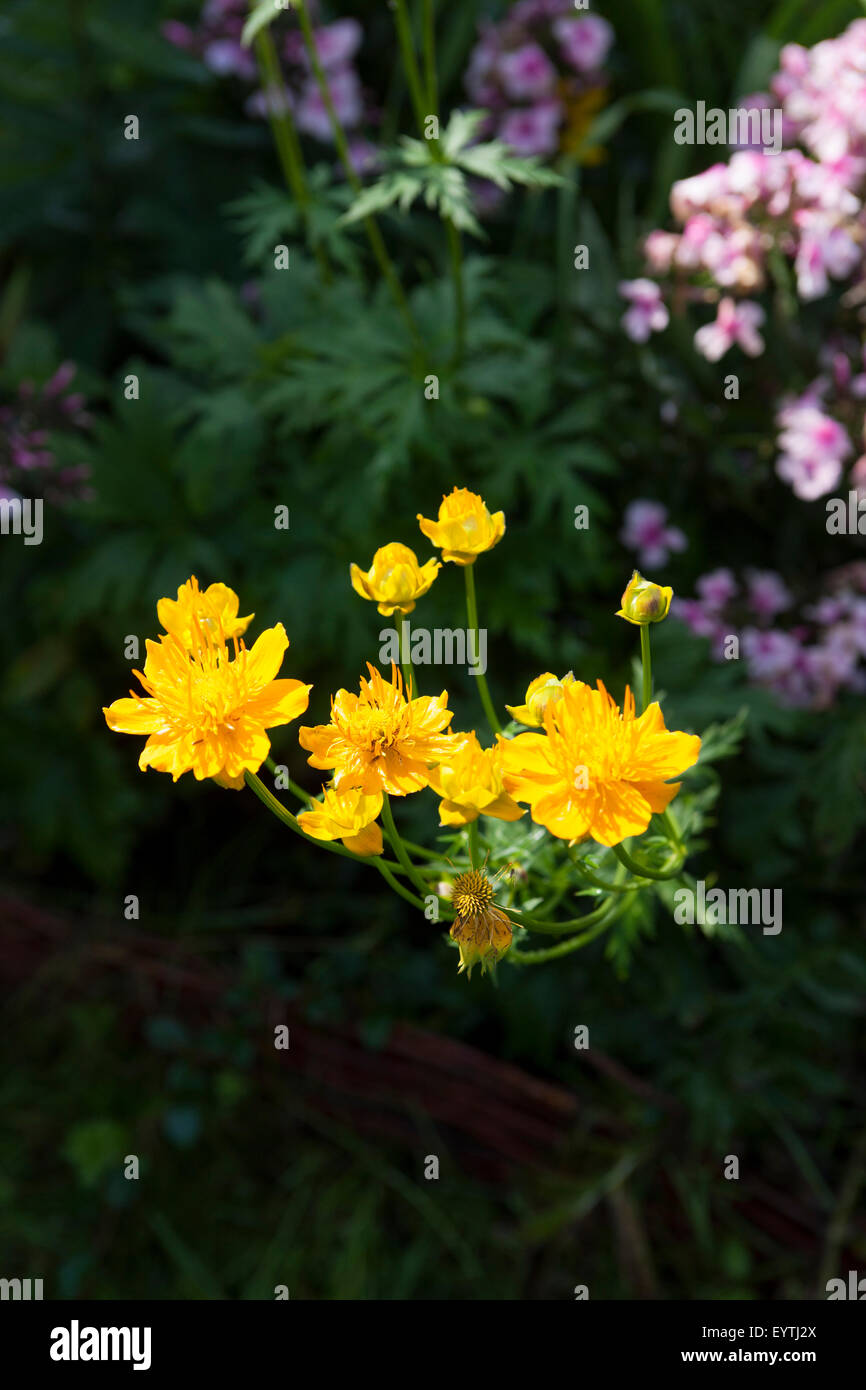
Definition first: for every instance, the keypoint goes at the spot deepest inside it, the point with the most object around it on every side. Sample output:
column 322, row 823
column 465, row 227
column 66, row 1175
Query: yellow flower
column 481, row 929
column 465, row 527
column 348, row 816
column 206, row 712
column 580, row 115
column 215, row 608
column 595, row 772
column 469, row 781
column 539, row 694
column 644, row 602
column 395, row 580
column 379, row 740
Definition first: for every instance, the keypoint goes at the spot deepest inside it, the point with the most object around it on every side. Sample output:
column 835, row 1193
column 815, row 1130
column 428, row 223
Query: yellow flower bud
column 644, row 602
column 539, row 694
column 395, row 579
column 465, row 528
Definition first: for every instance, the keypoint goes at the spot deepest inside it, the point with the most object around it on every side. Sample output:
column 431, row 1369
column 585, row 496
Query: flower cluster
column 806, row 664
column 217, row 41
column 27, row 464
column 794, row 220
column 586, row 769
column 540, row 76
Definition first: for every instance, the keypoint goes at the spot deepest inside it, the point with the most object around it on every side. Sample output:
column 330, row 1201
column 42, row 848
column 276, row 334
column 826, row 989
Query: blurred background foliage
column 261, row 388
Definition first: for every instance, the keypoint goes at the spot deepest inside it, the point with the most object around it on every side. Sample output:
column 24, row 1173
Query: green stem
column 410, row 65
column 597, row 882
column 598, row 914
column 283, row 814
column 286, row 137
column 562, row 948
column 406, row 663
column 371, row 226
column 472, row 619
column 646, row 667
column 456, row 254
column 430, row 54
column 387, row 873
column 399, row 848
column 474, row 851
column 634, row 866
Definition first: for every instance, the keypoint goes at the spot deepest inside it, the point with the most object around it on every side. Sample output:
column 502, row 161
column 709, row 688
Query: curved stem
column 472, row 619
column 399, row 848
column 563, row 948
column 286, row 816
column 634, row 866
column 598, row 914
column 388, row 875
column 286, row 137
column 596, row 882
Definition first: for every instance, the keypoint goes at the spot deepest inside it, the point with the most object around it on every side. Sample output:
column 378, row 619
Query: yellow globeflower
column 469, row 781
column 644, row 602
column 348, row 816
column 215, row 608
column 205, row 711
column 596, row 773
column 395, row 580
column 481, row 929
column 465, row 527
column 379, row 740
column 539, row 694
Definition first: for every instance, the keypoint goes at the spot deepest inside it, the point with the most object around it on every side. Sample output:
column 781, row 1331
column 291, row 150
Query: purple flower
column 646, row 530
column 345, row 89
column 698, row 618
column 533, row 130
column 717, row 588
column 767, row 593
column 770, row 654
column 527, row 73
column 225, row 57
column 647, row 313
column 584, row 42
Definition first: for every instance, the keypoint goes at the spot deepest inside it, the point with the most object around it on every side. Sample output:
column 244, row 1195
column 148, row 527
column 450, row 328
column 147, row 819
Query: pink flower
column 527, row 73
column 735, row 323
column 226, row 57
column 659, row 249
column 336, row 44
column 767, row 593
column 813, row 446
column 345, row 89
column 717, row 588
column 646, row 530
column 584, row 42
column 647, row 313
column 825, row 249
column 532, row 130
